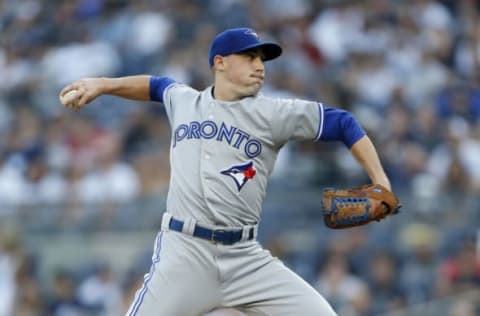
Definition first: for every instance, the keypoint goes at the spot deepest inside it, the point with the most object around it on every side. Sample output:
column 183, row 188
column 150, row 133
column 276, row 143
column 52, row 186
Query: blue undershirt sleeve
column 158, row 86
column 340, row 125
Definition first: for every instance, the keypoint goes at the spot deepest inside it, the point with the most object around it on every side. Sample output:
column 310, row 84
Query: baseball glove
column 357, row 206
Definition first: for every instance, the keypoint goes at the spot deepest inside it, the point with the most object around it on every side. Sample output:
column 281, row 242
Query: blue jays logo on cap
column 232, row 41
column 240, row 173
column 252, row 32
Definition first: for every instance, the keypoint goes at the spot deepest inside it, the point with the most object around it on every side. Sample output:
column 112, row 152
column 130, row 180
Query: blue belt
column 225, row 237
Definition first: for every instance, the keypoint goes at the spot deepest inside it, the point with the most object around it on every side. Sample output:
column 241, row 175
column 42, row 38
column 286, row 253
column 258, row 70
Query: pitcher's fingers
column 65, row 90
column 84, row 99
column 70, row 87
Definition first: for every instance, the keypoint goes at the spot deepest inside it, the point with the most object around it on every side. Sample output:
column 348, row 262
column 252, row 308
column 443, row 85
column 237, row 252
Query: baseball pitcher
column 224, row 143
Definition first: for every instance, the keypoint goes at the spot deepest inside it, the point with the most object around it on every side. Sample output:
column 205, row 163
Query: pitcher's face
column 245, row 71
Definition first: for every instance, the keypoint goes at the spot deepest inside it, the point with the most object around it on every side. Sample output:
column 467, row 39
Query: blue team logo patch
column 240, row 173
column 252, row 32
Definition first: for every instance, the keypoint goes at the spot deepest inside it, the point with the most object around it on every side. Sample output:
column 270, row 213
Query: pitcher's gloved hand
column 358, row 206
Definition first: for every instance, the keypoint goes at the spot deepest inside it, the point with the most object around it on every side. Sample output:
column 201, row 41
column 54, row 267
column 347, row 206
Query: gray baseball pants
column 190, row 276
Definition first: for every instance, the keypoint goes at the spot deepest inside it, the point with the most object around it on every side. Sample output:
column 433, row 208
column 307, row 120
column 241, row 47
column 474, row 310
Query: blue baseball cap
column 232, row 41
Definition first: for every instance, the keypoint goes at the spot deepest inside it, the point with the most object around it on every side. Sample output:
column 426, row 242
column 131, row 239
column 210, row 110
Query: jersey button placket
column 207, row 151
column 207, row 144
column 211, row 107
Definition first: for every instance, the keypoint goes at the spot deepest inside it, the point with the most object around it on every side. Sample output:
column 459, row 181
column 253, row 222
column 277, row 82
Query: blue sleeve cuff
column 158, row 86
column 340, row 125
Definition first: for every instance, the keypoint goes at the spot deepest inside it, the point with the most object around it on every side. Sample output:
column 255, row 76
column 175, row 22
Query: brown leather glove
column 357, row 206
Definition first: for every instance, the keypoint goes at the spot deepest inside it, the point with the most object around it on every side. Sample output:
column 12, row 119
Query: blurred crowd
column 408, row 70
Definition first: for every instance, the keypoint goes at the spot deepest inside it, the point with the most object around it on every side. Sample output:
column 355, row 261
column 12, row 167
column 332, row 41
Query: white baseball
column 70, row 98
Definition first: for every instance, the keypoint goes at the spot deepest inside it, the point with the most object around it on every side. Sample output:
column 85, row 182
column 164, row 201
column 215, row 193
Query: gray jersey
column 222, row 153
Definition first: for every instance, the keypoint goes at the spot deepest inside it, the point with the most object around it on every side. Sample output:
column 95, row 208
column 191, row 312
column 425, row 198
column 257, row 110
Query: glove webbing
column 340, row 202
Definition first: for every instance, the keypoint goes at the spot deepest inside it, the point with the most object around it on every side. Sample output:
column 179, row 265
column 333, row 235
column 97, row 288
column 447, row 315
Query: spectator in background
column 30, row 300
column 454, row 162
column 43, row 185
column 460, row 273
column 459, row 100
column 427, row 79
column 360, row 304
column 20, row 291
column 371, row 80
column 100, row 289
column 63, row 300
column 418, row 273
column 335, row 28
column 336, row 283
column 383, row 271
column 11, row 186
column 426, row 131
column 147, row 149
column 108, row 179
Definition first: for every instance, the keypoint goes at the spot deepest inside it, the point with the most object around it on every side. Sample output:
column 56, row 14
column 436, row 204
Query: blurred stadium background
column 82, row 194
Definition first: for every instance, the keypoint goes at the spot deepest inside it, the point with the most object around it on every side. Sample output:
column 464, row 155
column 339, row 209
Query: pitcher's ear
column 218, row 62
